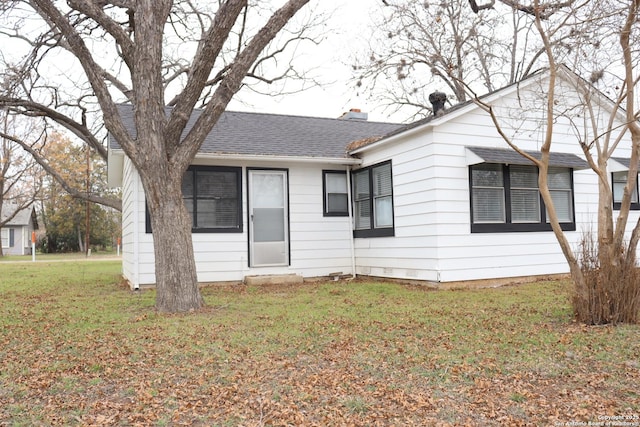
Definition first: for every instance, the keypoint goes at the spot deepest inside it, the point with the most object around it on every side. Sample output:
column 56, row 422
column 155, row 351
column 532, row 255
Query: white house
column 440, row 200
column 15, row 234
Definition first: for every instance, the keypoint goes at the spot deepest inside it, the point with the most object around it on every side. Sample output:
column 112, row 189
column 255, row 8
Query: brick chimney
column 354, row 114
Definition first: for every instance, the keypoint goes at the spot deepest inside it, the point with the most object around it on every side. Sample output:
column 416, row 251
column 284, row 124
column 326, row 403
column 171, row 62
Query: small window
column 618, row 181
column 4, row 236
column 335, row 193
column 373, row 201
column 506, row 198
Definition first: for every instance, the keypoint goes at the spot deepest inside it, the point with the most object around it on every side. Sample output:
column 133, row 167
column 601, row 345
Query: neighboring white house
column 440, row 200
column 15, row 234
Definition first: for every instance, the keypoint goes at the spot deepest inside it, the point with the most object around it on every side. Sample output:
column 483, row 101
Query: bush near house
column 78, row 348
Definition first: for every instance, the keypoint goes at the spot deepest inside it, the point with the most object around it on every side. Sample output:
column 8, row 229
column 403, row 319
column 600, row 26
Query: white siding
column 433, row 239
column 319, row 245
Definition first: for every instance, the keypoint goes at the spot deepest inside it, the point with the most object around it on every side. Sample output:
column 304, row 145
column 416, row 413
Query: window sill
column 633, row 207
column 517, row 228
column 377, row 232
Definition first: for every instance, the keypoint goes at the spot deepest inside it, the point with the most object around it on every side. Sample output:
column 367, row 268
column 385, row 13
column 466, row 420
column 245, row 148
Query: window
column 373, row 201
column 559, row 181
column 213, row 197
column 7, row 235
column 506, row 198
column 618, row 181
column 335, row 193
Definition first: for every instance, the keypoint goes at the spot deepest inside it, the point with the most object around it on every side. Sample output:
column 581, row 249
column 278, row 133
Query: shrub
column 610, row 293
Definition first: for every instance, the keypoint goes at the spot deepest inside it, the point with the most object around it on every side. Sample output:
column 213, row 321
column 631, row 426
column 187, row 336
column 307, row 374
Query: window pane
column 619, row 181
column 337, row 202
column 382, row 180
column 559, row 178
column 525, row 206
column 488, row 193
column 336, row 182
column 383, row 213
column 362, row 215
column 217, row 213
column 187, row 184
column 618, row 189
column 211, row 184
column 525, row 200
column 268, row 225
column 523, row 176
column 487, row 175
column 562, row 203
column 5, row 237
column 361, row 185
column 488, row 205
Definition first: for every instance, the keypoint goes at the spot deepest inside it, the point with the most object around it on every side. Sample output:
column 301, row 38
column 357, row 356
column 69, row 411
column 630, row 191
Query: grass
column 40, row 257
column 78, row 348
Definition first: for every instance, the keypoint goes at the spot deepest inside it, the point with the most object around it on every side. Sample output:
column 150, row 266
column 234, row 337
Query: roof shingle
column 260, row 134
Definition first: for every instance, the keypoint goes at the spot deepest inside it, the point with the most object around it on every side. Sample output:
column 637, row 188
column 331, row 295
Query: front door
column 268, row 218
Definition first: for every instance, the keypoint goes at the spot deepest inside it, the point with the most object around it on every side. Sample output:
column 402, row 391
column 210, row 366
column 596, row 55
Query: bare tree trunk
column 80, row 240
column 176, row 277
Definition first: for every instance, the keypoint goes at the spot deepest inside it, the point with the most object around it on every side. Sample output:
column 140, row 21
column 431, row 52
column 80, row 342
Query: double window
column 506, row 198
column 213, row 197
column 373, row 201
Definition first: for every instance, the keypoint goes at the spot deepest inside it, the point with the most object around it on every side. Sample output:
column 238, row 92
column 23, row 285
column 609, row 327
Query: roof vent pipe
column 437, row 100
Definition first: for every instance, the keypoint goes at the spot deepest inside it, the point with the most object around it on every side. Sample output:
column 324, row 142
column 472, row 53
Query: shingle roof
column 508, row 156
column 625, row 161
column 22, row 218
column 263, row 134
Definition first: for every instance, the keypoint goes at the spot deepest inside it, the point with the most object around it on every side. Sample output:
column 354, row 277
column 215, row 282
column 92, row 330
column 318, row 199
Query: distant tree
column 65, row 217
column 151, row 53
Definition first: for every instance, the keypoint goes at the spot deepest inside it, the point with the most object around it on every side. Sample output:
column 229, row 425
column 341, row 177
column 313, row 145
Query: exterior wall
column 433, row 239
column 22, row 240
column 412, row 253
column 319, row 245
column 17, row 248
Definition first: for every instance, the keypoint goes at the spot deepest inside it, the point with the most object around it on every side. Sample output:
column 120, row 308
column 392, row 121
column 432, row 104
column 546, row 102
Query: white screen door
column 268, row 222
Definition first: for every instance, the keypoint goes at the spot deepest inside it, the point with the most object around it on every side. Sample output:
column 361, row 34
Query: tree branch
column 106, row 201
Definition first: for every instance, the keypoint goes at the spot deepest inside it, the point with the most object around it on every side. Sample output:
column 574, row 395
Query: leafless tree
column 20, row 176
column 158, row 52
column 418, row 47
column 606, row 282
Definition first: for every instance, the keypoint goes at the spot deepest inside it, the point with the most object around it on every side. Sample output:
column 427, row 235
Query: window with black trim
column 618, row 181
column 373, row 201
column 213, row 197
column 506, row 198
column 334, row 186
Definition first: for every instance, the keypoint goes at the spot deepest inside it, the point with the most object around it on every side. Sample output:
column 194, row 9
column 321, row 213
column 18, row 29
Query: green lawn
column 79, row 348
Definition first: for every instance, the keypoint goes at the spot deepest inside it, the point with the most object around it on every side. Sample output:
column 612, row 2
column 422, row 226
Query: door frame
column 287, row 219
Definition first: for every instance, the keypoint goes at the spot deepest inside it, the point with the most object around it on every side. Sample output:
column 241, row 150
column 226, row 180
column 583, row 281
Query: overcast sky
column 347, row 26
